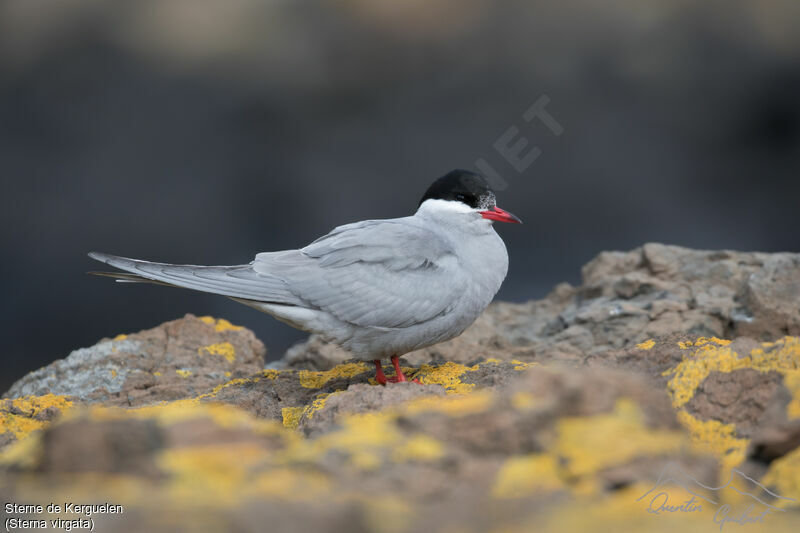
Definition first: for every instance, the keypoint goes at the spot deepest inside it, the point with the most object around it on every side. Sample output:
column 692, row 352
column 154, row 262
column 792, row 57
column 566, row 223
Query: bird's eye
column 461, row 198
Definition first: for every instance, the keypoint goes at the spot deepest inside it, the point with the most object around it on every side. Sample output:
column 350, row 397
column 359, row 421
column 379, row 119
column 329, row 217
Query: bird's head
column 464, row 190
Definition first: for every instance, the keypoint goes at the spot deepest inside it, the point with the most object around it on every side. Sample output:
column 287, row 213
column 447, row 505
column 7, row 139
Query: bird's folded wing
column 383, row 274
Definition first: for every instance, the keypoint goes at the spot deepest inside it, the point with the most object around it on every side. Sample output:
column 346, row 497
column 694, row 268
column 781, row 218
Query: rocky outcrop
column 625, row 298
column 670, row 376
column 178, row 359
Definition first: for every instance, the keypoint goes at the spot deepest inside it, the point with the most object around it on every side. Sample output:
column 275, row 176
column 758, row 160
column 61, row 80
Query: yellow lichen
column 168, row 413
column 183, row 373
column 522, row 476
column 120, row 337
column 18, row 415
column 646, row 345
column 367, row 440
column 22, row 453
column 448, row 376
column 222, row 474
column 317, row 404
column 418, row 448
column 265, row 374
column 715, row 438
column 521, row 365
column 362, row 437
column 315, row 380
column 589, row 444
column 524, row 401
column 784, row 476
column 18, row 425
column 781, row 356
column 291, row 416
column 225, row 349
column 292, row 484
column 220, row 324
column 113, row 373
column 621, row 511
column 791, row 380
column 270, row 373
column 715, row 355
column 210, row 471
column 460, row 405
column 701, row 341
column 157, row 373
column 216, row 390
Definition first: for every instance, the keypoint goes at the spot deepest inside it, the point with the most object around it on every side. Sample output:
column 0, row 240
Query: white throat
column 444, row 207
column 456, row 215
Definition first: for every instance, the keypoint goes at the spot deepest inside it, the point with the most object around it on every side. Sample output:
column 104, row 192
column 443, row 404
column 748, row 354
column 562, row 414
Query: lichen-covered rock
column 618, row 406
column 178, row 359
column 291, row 397
column 326, row 413
column 739, row 399
column 551, row 437
column 625, row 298
column 295, row 396
column 21, row 416
column 449, row 454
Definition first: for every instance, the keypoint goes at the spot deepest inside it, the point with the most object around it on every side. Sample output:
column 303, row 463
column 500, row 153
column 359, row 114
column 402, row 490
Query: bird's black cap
column 462, row 186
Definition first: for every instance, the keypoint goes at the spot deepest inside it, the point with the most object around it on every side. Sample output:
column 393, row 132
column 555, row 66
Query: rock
column 576, row 412
column 740, row 398
column 625, row 298
column 295, row 397
column 361, row 398
column 109, row 446
column 178, row 359
column 407, row 461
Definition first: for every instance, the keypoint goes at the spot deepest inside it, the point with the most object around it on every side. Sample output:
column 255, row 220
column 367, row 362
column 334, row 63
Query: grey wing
column 239, row 281
column 382, row 273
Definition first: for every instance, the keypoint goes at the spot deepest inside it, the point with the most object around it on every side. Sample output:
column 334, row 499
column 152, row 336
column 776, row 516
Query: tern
column 377, row 288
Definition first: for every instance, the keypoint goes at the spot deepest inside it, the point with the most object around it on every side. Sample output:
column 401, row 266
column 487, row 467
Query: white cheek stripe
column 445, row 206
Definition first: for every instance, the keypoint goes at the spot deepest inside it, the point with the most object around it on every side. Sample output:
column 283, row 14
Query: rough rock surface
column 625, row 298
column 670, row 376
column 178, row 359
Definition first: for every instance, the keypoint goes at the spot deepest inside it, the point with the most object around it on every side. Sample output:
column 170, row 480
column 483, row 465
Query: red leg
column 380, row 377
column 398, row 377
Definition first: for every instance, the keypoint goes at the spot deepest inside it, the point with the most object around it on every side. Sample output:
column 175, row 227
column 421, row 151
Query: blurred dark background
column 201, row 131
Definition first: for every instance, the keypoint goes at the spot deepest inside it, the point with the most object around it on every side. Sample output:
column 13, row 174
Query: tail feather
column 238, row 281
column 123, row 277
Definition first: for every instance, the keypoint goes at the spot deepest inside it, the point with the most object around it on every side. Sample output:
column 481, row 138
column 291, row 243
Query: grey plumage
column 378, row 287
